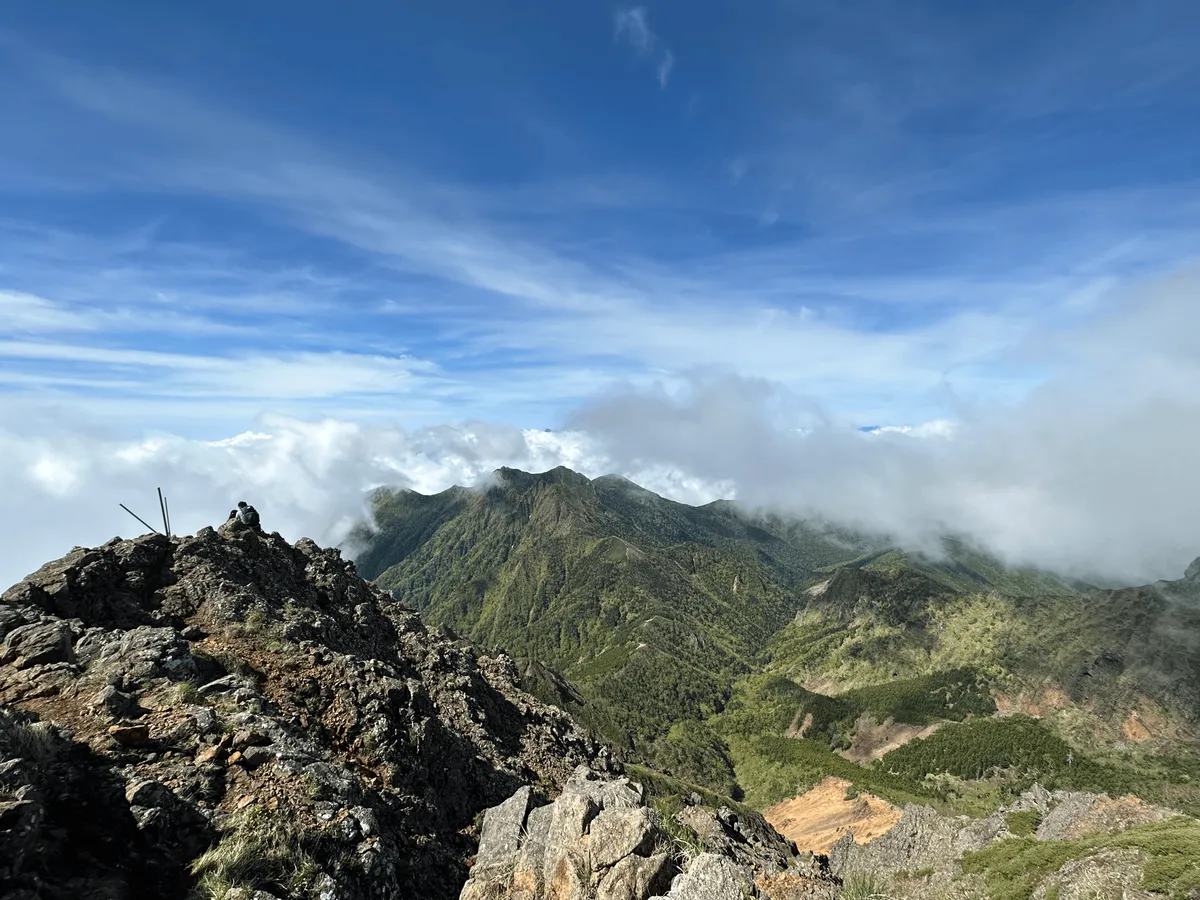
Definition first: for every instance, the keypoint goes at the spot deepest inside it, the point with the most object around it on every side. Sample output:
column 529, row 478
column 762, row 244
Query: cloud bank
column 1094, row 473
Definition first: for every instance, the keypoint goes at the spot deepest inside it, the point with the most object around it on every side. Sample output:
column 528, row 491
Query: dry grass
column 35, row 741
column 258, row 850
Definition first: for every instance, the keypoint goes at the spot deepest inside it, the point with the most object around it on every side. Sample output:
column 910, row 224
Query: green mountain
column 702, row 638
column 650, row 608
column 1095, row 690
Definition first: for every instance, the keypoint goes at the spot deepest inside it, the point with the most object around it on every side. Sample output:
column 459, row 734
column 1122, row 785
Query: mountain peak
column 522, row 480
column 231, row 693
column 1192, row 573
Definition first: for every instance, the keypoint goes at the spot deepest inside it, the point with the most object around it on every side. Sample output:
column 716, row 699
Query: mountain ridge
column 653, row 610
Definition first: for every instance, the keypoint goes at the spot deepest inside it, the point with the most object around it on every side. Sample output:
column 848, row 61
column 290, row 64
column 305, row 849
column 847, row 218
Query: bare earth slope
column 818, row 818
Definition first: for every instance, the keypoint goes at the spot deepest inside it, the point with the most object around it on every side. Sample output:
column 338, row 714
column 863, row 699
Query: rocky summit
column 229, row 711
column 228, row 715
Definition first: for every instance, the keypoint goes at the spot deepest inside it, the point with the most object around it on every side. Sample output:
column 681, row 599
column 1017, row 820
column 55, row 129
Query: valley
column 755, row 656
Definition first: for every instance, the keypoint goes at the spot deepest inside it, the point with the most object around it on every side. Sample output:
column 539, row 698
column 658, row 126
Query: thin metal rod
column 139, row 518
column 162, row 508
column 167, row 507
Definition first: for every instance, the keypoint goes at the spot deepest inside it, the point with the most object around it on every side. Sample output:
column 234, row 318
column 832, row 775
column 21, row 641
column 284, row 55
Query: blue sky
column 422, row 213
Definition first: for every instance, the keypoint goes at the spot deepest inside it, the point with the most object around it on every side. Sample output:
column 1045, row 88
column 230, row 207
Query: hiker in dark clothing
column 247, row 514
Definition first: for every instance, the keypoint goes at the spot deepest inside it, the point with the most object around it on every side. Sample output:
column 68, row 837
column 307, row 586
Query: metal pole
column 167, row 506
column 139, row 518
column 162, row 507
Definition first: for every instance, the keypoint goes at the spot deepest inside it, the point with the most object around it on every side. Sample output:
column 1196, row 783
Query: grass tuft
column 258, row 850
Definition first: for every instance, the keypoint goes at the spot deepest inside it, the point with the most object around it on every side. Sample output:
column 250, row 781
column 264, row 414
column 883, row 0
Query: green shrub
column 1022, row 823
column 772, row 768
column 1013, row 868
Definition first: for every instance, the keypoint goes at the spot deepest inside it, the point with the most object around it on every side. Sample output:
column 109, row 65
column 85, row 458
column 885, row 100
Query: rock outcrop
column 924, row 850
column 234, row 714
column 599, row 840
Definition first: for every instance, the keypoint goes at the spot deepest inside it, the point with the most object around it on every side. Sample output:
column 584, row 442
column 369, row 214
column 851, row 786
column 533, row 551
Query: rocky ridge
column 236, row 715
column 600, row 840
column 228, row 716
column 923, row 852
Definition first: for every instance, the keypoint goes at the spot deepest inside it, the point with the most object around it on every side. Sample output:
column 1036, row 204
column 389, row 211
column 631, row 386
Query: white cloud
column 665, row 65
column 62, row 488
column 632, row 26
column 297, row 375
column 1091, row 474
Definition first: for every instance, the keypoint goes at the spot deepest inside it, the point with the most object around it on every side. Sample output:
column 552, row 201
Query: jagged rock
column 10, row 619
column 361, row 737
column 1068, row 815
column 49, row 641
column 712, row 877
column 248, row 737
column 500, row 838
column 598, row 840
column 253, row 757
column 1112, row 872
column 636, row 878
column 921, row 839
column 115, row 703
column 618, row 833
column 746, row 840
column 810, row 881
column 924, row 839
column 1193, row 571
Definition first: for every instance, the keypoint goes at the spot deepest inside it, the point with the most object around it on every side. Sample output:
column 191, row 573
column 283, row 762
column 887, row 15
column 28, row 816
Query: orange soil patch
column 816, row 820
column 1134, row 729
column 873, row 739
column 1035, row 703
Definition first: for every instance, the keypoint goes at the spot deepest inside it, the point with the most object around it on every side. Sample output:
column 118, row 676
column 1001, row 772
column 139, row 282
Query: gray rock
column 205, row 718
column 38, row 643
column 500, row 838
column 712, row 877
column 10, row 618
column 572, row 813
column 1192, row 573
column 385, row 735
column 921, row 839
column 604, row 793
column 532, row 857
column 618, row 833
column 114, row 703
column 253, row 757
column 150, row 793
column 636, row 878
column 248, row 737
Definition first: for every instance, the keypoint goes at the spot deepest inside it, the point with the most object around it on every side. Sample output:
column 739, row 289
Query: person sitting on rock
column 247, row 514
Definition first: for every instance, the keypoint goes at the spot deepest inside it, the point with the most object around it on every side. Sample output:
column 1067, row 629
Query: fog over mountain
column 1093, row 473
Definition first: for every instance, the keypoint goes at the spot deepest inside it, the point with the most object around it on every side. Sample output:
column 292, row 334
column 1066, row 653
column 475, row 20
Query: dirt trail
column 817, row 819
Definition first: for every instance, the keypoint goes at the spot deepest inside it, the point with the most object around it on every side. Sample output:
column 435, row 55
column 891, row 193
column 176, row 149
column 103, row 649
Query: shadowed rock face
column 254, row 711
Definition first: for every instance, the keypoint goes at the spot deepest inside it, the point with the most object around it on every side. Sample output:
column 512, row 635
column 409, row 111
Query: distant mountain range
column 693, row 637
